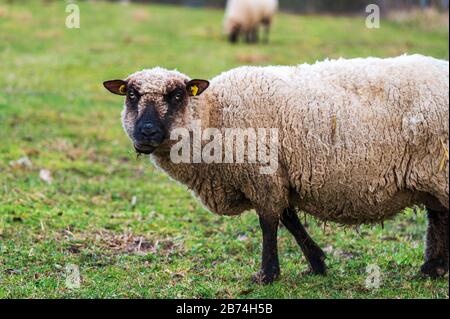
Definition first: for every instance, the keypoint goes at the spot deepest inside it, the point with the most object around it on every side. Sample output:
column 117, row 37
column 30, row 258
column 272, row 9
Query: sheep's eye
column 175, row 97
column 132, row 95
column 178, row 96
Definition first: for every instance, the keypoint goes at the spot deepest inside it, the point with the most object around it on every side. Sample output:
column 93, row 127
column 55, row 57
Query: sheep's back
column 355, row 135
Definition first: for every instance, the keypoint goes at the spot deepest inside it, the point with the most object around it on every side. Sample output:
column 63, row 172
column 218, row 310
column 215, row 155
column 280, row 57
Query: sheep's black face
column 151, row 127
column 156, row 100
column 149, row 131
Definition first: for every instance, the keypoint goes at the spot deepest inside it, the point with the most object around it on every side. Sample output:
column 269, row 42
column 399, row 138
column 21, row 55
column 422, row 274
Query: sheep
column 358, row 141
column 245, row 17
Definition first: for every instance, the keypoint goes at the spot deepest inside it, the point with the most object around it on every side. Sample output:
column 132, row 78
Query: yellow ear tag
column 123, row 89
column 194, row 90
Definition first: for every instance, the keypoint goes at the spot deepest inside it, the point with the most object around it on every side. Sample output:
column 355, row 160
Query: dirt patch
column 252, row 58
column 72, row 151
column 126, row 242
column 3, row 12
column 22, row 16
column 122, row 243
column 140, row 16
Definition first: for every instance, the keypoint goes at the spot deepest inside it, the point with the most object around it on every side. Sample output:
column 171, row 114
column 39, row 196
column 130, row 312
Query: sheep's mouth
column 144, row 149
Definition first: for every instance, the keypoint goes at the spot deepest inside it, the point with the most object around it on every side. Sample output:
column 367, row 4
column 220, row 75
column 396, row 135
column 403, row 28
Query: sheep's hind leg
column 270, row 267
column 311, row 250
column 436, row 253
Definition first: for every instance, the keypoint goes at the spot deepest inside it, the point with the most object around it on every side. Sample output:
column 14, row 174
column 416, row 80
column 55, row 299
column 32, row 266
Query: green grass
column 54, row 110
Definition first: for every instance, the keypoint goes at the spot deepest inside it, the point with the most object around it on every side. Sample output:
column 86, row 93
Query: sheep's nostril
column 148, row 127
column 148, row 130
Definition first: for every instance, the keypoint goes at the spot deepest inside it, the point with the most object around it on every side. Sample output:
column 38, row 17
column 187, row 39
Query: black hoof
column 317, row 265
column 265, row 278
column 316, row 259
column 435, row 268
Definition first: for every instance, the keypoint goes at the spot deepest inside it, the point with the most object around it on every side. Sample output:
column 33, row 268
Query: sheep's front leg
column 436, row 254
column 311, row 250
column 270, row 267
column 255, row 35
column 234, row 34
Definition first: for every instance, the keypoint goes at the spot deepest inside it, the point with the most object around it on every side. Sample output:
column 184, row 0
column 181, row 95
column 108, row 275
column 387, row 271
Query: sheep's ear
column 196, row 87
column 118, row 87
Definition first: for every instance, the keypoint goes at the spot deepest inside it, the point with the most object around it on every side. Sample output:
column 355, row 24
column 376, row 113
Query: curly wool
column 360, row 139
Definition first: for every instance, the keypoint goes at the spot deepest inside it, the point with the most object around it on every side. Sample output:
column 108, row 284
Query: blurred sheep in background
column 244, row 17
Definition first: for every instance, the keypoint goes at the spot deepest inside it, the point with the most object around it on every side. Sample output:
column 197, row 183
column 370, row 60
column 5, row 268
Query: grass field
column 131, row 231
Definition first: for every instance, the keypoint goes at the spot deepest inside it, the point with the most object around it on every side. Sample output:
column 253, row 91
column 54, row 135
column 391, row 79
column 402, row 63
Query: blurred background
column 318, row 6
column 73, row 193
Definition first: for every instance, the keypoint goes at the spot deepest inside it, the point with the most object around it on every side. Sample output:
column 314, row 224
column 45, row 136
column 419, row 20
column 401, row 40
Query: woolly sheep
column 359, row 140
column 245, row 17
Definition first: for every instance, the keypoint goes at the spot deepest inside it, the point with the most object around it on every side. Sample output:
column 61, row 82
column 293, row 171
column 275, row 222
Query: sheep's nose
column 148, row 130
